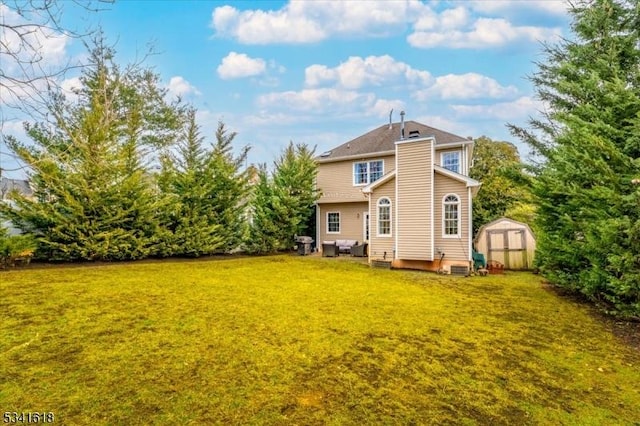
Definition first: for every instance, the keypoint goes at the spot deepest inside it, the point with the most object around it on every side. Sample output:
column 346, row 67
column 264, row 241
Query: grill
column 304, row 245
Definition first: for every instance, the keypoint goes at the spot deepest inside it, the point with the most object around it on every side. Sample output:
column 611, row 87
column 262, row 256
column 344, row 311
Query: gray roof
column 8, row 185
column 383, row 139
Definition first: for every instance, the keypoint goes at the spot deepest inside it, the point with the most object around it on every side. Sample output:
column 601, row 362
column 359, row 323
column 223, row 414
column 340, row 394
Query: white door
column 365, row 226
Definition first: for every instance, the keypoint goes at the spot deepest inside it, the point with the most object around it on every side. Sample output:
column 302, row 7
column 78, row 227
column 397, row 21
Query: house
column 403, row 188
column 7, row 187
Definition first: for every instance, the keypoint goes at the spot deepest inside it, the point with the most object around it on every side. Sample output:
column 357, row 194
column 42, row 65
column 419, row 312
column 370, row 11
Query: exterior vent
column 414, row 134
column 459, row 270
column 325, row 154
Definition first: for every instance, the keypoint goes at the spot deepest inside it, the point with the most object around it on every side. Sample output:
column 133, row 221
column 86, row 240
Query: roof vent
column 414, row 134
column 325, row 154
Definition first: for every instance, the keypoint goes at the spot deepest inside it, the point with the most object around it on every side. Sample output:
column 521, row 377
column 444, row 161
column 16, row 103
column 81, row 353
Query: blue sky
column 324, row 72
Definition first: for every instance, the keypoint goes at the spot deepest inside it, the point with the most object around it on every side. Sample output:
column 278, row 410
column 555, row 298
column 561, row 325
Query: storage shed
column 507, row 241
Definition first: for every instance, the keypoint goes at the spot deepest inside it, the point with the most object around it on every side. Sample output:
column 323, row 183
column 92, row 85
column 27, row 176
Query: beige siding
column 414, row 207
column 379, row 245
column 454, row 248
column 335, row 180
column 351, row 221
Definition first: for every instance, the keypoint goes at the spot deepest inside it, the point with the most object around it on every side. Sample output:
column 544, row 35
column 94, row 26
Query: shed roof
column 502, row 219
column 383, row 139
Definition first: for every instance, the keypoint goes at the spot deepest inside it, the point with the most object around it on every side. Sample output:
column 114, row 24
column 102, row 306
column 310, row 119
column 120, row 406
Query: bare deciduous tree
column 34, row 35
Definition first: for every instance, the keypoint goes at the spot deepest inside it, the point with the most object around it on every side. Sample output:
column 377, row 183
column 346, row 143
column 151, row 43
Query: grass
column 302, row 340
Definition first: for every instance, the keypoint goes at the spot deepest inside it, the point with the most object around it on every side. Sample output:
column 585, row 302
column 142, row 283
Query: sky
column 324, row 72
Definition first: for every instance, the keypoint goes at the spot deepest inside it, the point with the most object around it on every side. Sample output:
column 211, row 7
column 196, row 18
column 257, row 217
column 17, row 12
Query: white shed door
column 508, row 246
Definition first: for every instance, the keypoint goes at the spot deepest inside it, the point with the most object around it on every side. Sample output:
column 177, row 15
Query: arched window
column 384, row 217
column 451, row 216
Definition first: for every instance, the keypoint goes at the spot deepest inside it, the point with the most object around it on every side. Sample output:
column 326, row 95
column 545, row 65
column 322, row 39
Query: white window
column 384, row 217
column 366, row 172
column 451, row 216
column 333, row 223
column 451, row 161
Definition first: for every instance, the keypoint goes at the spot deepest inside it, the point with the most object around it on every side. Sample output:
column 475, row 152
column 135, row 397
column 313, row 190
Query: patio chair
column 359, row 250
column 479, row 261
column 330, row 249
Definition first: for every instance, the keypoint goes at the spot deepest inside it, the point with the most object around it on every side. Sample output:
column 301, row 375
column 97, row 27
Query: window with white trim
column 366, row 172
column 333, row 223
column 451, row 161
column 384, row 217
column 451, row 216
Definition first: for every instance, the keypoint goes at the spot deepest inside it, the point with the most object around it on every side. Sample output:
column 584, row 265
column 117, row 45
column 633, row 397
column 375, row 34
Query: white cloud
column 382, row 107
column 311, row 21
column 484, row 33
column 239, row 65
column 179, row 87
column 358, row 72
column 317, row 100
column 13, row 127
column 454, row 18
column 519, row 109
column 329, row 102
column 267, row 118
column 70, row 87
column 552, row 7
column 465, row 86
column 442, row 123
column 31, row 47
column 454, row 27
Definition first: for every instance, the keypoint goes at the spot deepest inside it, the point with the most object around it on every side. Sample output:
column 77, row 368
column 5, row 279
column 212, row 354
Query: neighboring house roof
column 383, row 139
column 9, row 185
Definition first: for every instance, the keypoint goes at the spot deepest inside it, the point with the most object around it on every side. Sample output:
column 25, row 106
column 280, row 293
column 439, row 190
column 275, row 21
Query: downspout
column 470, row 233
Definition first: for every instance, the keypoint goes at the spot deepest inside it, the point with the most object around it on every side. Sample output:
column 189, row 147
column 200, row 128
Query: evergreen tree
column 189, row 215
column 94, row 198
column 284, row 203
column 266, row 215
column 588, row 205
column 207, row 192
column 230, row 189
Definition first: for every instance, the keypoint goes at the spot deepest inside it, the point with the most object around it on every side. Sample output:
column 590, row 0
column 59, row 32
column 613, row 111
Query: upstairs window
column 451, row 161
column 366, row 172
column 451, row 216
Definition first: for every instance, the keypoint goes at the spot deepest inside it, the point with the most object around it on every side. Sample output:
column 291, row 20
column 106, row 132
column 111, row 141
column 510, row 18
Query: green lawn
column 304, row 340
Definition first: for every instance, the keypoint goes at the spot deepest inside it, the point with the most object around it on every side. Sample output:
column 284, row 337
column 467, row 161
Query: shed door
column 508, row 246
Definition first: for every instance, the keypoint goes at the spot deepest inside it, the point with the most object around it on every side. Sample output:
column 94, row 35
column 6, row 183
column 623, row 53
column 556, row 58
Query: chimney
column 390, row 112
column 401, row 125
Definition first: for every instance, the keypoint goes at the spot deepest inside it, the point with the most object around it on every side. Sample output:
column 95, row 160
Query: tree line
column 119, row 172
